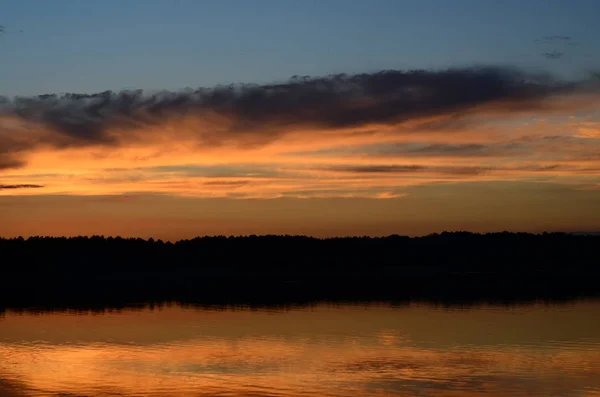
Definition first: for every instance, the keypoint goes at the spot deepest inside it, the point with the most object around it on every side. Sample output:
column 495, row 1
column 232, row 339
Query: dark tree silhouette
column 446, row 267
column 457, row 251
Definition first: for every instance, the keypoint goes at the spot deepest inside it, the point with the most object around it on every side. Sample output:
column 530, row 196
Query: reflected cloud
column 340, row 351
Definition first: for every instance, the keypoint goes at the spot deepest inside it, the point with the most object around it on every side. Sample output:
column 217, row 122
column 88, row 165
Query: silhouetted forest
column 458, row 250
column 447, row 267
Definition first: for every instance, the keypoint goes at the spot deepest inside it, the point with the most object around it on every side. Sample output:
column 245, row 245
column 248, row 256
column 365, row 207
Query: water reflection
column 322, row 350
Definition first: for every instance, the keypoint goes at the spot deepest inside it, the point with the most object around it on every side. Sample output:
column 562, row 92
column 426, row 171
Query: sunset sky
column 172, row 119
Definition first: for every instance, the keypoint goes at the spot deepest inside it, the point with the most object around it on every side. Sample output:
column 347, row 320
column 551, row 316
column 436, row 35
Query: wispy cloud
column 22, row 186
column 553, row 55
column 555, row 38
column 377, row 169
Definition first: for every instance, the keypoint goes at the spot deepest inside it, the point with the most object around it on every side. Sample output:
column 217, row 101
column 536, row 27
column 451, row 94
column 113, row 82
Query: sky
column 173, row 119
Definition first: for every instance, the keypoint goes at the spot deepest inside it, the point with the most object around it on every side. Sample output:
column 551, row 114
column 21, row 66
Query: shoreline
column 23, row 290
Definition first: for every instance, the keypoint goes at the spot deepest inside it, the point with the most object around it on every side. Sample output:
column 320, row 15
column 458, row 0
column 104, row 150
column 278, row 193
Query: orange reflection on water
column 324, row 351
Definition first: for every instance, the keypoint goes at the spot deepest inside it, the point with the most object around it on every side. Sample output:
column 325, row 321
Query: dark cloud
column 260, row 113
column 553, row 55
column 378, row 169
column 405, row 169
column 440, row 149
column 446, row 170
column 401, row 150
column 557, row 47
column 227, row 183
column 209, row 171
column 556, row 38
column 22, row 186
column 3, row 30
column 8, row 162
column 461, row 150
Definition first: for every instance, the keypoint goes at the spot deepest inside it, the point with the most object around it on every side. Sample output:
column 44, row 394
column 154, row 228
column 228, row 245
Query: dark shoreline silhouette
column 44, row 273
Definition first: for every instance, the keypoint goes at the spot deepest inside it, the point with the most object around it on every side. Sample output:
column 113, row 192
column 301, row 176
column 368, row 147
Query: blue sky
column 85, row 46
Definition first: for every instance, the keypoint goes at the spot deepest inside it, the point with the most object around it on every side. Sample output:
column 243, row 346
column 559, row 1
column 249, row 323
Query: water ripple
column 341, row 351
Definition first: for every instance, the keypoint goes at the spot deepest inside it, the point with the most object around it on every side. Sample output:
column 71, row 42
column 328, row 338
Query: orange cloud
column 364, row 136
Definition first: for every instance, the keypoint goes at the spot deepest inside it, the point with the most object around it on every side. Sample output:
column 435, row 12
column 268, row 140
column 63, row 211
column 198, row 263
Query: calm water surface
column 324, row 350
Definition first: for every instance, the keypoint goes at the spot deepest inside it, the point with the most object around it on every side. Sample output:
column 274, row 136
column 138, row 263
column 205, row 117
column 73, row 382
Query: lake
column 371, row 349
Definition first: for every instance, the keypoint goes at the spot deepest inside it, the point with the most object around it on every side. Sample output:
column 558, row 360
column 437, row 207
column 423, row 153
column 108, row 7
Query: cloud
column 467, row 149
column 439, row 171
column 406, row 169
column 556, row 38
column 249, row 114
column 443, row 150
column 560, row 141
column 7, row 162
column 558, row 47
column 553, row 55
column 368, row 169
column 22, row 186
column 587, row 130
column 366, row 135
column 227, row 184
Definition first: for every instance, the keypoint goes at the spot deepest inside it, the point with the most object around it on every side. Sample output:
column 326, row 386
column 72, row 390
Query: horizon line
column 234, row 236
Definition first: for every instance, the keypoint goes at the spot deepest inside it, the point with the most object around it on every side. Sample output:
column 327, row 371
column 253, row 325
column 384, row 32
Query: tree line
column 450, row 250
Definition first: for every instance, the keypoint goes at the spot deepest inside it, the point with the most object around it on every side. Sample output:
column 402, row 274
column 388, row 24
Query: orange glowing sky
column 499, row 165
